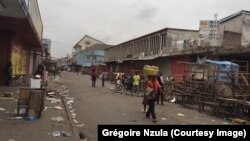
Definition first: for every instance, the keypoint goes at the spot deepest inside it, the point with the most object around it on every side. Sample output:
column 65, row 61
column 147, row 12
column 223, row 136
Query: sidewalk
column 43, row 129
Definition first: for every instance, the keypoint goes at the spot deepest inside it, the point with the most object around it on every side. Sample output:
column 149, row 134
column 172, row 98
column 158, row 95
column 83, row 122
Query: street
column 95, row 106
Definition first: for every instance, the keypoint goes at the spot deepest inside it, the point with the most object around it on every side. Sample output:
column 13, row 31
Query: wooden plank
column 244, row 78
column 36, row 97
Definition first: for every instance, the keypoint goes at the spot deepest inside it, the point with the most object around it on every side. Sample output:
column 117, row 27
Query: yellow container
column 151, row 70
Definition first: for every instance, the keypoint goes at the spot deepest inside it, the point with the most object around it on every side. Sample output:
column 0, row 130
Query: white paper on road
column 173, row 100
column 180, row 114
column 75, row 121
column 58, row 108
column 163, row 118
column 2, row 109
column 70, row 101
column 73, row 115
column 53, row 100
column 51, row 93
column 58, row 119
column 13, row 118
column 80, row 125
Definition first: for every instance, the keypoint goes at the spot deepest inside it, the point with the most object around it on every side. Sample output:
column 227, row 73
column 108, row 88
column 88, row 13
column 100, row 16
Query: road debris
column 14, row 118
column 2, row 109
column 53, row 100
column 180, row 114
column 173, row 99
column 163, row 118
column 80, row 125
column 58, row 119
column 75, row 121
column 58, row 108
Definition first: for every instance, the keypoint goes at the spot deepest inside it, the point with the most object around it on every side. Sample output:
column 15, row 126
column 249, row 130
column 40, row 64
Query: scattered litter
column 58, row 108
column 73, row 115
column 13, row 118
column 60, row 133
column 70, row 106
column 2, row 109
column 75, row 121
column 53, row 100
column 173, row 100
column 213, row 120
column 70, row 101
column 58, row 119
column 72, row 111
column 22, row 111
column 80, row 125
column 163, row 118
column 225, row 123
column 51, row 93
column 56, row 133
column 65, row 134
column 37, row 76
column 180, row 114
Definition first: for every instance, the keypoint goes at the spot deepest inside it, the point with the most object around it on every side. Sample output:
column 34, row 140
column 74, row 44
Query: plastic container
column 31, row 118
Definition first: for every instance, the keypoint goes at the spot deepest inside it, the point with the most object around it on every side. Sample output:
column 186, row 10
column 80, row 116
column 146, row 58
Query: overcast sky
column 65, row 22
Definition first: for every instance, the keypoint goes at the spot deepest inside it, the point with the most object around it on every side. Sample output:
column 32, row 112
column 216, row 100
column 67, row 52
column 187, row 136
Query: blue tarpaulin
column 223, row 68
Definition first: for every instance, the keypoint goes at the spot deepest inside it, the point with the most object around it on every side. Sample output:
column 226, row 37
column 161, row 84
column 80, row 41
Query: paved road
column 100, row 105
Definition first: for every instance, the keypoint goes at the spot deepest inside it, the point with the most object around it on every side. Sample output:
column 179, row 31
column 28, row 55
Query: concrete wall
column 173, row 36
column 231, row 39
column 234, row 25
column 245, row 40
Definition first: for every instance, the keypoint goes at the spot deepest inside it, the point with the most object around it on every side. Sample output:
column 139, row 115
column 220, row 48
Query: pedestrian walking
column 77, row 70
column 151, row 99
column 160, row 94
column 136, row 82
column 93, row 76
column 103, row 77
column 149, row 84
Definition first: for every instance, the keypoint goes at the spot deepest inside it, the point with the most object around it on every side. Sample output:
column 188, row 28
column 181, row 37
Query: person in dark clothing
column 93, row 76
column 9, row 73
column 160, row 94
column 77, row 69
column 103, row 77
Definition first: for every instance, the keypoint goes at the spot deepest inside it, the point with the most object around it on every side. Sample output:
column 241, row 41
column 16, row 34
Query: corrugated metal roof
column 150, row 34
column 234, row 15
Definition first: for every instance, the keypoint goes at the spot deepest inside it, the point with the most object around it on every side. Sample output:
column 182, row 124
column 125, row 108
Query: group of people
column 94, row 77
column 154, row 83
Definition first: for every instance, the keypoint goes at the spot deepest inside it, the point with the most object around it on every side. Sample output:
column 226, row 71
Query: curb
column 75, row 131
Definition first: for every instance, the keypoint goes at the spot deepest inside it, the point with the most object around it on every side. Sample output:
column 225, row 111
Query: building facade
column 21, row 31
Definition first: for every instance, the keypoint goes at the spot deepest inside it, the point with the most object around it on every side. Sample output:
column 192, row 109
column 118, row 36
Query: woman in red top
column 151, row 102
